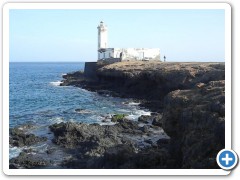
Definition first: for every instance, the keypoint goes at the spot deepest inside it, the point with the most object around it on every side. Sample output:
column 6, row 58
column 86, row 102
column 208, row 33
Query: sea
column 36, row 98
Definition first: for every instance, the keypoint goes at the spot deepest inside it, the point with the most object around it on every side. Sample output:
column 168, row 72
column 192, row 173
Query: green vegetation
column 118, row 117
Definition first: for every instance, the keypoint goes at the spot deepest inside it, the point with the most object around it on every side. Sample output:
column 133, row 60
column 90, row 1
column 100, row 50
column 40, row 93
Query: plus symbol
column 227, row 159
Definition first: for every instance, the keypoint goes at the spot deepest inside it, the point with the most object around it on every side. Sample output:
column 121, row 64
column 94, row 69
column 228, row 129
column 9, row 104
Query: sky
column 71, row 35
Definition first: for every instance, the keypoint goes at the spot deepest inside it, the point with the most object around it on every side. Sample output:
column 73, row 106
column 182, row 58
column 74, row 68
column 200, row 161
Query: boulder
column 28, row 161
column 20, row 138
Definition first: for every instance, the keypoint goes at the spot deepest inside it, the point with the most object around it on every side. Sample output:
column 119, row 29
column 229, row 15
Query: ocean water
column 37, row 98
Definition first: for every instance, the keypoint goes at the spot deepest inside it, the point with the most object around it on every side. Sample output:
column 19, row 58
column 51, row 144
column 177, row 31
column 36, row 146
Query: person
column 121, row 55
column 164, row 58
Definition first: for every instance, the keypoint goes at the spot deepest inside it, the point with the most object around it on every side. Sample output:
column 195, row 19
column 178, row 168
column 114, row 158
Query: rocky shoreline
column 185, row 130
column 126, row 144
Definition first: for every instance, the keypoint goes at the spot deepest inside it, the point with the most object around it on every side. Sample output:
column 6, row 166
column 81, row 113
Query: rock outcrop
column 111, row 146
column 29, row 161
column 153, row 80
column 18, row 137
column 190, row 98
column 195, row 121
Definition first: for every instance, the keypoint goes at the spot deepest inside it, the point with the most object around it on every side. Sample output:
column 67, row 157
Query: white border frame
column 9, row 6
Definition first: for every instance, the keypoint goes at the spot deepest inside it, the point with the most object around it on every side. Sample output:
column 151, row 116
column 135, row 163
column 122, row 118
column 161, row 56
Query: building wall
column 128, row 54
column 137, row 53
column 90, row 69
column 106, row 53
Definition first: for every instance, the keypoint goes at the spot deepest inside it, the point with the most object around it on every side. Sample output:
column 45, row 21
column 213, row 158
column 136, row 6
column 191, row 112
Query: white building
column 122, row 54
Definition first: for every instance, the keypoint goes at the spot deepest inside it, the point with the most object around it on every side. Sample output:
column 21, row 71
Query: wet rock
column 145, row 119
column 82, row 111
column 50, row 150
column 30, row 150
column 13, row 166
column 93, row 143
column 72, row 78
column 91, row 139
column 105, row 120
column 144, row 129
column 19, row 138
column 28, row 161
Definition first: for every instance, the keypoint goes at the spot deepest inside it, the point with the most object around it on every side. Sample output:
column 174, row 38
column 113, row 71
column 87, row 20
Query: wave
column 14, row 152
column 135, row 115
column 133, row 103
column 56, row 83
column 56, row 120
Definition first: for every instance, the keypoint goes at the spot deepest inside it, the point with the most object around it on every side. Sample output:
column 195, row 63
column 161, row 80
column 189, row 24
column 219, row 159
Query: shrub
column 118, row 117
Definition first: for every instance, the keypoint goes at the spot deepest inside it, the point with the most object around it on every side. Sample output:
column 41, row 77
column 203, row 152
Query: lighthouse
column 111, row 55
column 102, row 36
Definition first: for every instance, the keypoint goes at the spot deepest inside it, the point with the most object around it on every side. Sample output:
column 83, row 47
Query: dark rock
column 149, row 141
column 82, row 111
column 96, row 146
column 193, row 119
column 157, row 120
column 105, row 120
column 135, row 78
column 13, row 166
column 163, row 142
column 30, row 150
column 128, row 126
column 50, row 150
column 118, row 156
column 19, row 138
column 91, row 139
column 145, row 119
column 144, row 129
column 28, row 161
column 154, row 113
column 125, row 157
column 190, row 97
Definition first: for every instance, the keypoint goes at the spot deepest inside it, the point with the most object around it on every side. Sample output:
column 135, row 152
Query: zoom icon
column 227, row 159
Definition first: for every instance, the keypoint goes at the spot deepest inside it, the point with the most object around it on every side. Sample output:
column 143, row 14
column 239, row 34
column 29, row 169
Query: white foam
column 56, row 83
column 56, row 120
column 136, row 114
column 107, row 123
column 133, row 116
column 124, row 110
column 40, row 148
column 14, row 152
column 143, row 112
column 133, row 103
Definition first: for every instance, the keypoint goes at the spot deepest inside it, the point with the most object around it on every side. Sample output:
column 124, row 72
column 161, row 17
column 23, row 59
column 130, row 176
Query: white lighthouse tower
column 102, row 36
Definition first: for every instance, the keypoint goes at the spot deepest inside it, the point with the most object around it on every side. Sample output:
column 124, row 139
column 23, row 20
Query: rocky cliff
column 189, row 96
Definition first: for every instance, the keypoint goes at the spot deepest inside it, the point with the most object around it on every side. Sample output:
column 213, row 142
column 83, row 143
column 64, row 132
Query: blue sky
column 71, row 35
